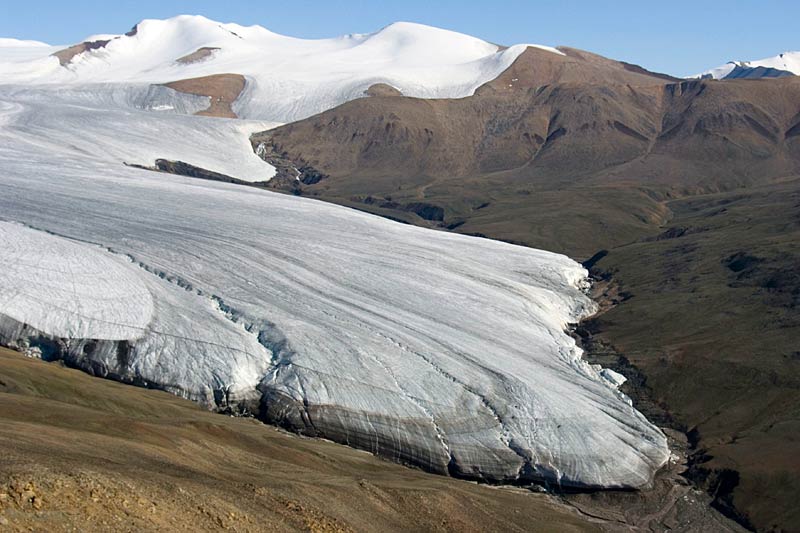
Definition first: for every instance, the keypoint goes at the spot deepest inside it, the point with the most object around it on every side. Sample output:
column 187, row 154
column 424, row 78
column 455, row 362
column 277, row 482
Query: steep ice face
column 287, row 78
column 112, row 317
column 436, row 349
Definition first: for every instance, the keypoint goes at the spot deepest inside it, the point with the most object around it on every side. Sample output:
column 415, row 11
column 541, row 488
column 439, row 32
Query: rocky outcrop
column 201, row 54
column 180, row 168
column 383, row 89
column 66, row 55
column 222, row 89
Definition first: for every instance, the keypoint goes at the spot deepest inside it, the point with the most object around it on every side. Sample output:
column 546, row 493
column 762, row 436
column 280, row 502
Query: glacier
column 433, row 349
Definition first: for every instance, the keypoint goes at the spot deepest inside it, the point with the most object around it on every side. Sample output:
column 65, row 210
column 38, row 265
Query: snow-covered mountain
column 20, row 43
column 286, row 78
column 785, row 64
column 440, row 350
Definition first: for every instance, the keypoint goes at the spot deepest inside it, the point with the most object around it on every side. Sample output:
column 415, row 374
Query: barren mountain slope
column 710, row 316
column 536, row 67
column 480, row 162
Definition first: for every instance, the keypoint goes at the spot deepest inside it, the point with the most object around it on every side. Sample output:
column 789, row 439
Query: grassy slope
column 713, row 322
column 718, row 348
column 79, row 453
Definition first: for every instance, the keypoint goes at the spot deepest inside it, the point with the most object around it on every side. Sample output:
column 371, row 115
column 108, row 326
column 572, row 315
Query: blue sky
column 678, row 37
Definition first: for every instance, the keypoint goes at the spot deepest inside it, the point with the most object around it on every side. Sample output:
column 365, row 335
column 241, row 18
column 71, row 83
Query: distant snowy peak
column 17, row 55
column 17, row 43
column 157, row 43
column 785, row 64
column 286, row 78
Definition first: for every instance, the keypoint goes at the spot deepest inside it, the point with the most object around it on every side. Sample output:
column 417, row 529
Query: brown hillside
column 223, row 89
column 201, row 54
column 536, row 67
column 66, row 55
column 85, row 454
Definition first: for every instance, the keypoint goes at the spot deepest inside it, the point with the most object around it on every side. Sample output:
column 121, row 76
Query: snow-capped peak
column 785, row 64
column 18, row 43
column 286, row 78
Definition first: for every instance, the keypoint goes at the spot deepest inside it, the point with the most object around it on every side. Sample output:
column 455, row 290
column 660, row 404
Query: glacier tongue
column 106, row 314
column 435, row 349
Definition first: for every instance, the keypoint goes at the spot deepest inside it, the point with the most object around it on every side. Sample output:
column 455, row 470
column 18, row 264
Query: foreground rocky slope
column 85, row 454
column 688, row 191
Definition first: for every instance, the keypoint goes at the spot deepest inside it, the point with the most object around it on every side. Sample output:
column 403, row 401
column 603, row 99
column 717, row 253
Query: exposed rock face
column 223, row 89
column 424, row 210
column 782, row 65
column 66, row 55
column 289, row 175
column 198, row 55
column 383, row 89
column 744, row 72
column 185, row 169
